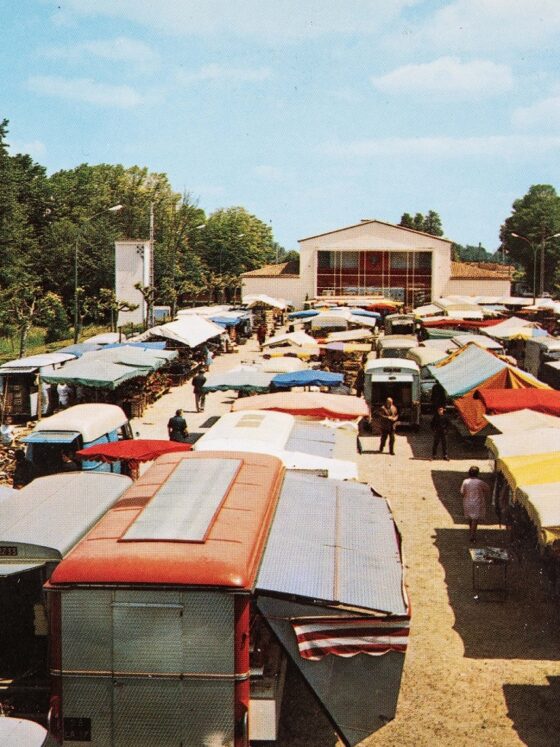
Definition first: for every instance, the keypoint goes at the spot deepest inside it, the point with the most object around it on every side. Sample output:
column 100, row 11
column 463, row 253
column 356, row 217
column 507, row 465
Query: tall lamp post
column 114, row 209
column 535, row 247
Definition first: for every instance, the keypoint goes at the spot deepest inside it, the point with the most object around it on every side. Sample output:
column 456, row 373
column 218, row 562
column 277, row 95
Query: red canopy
column 460, row 323
column 497, row 401
column 131, row 451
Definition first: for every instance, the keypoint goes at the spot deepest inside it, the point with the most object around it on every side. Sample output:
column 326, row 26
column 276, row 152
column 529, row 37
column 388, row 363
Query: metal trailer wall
column 147, row 667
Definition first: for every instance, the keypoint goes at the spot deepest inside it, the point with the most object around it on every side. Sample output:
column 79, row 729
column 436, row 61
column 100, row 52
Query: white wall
column 132, row 265
column 478, row 287
column 374, row 236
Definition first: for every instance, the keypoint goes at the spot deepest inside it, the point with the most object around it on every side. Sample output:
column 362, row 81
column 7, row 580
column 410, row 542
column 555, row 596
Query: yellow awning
column 530, row 469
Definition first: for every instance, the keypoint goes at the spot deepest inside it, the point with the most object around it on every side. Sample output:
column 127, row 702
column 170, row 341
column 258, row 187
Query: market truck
column 173, row 619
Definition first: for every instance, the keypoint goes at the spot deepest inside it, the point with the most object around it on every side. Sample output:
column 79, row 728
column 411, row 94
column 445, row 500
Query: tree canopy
column 430, row 223
column 535, row 219
column 46, row 221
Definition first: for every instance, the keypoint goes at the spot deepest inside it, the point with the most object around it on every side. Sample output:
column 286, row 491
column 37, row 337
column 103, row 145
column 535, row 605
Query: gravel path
column 477, row 672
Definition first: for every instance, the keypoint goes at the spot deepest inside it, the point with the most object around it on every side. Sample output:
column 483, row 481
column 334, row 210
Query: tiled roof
column 481, row 271
column 284, row 269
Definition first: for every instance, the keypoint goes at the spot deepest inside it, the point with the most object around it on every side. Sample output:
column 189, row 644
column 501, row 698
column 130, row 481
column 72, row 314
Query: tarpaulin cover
column 242, row 379
column 305, row 314
column 510, row 328
column 460, row 323
column 190, row 330
column 521, row 443
column 530, row 469
column 471, row 406
column 522, row 420
column 508, row 400
column 309, row 404
column 308, row 378
column 96, row 373
column 348, row 347
column 290, row 338
column 466, row 369
column 131, row 450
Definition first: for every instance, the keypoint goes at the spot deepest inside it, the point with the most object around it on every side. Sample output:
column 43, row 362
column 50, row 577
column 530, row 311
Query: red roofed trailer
column 171, row 619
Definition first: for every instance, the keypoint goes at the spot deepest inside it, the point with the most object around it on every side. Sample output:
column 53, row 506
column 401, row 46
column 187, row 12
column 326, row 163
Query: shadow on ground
column 420, row 443
column 302, row 720
column 491, row 629
column 447, row 484
column 534, row 712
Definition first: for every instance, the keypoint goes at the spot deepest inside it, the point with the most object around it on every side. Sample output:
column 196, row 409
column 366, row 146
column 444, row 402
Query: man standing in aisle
column 177, row 427
column 198, row 381
column 440, row 426
column 389, row 416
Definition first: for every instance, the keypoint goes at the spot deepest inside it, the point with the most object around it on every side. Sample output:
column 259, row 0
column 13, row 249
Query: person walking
column 475, row 493
column 261, row 334
column 440, row 425
column 438, row 397
column 198, row 381
column 177, row 427
column 389, row 416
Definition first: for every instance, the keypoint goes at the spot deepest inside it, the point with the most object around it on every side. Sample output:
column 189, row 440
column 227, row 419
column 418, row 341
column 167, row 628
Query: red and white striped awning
column 351, row 636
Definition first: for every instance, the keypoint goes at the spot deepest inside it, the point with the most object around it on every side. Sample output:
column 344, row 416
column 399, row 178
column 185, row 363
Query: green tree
column 430, row 223
column 536, row 218
column 235, row 241
column 407, row 220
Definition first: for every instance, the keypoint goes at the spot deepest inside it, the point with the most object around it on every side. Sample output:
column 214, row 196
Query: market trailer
column 175, row 594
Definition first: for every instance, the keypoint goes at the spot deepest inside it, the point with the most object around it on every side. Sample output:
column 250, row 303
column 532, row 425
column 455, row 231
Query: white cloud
column 272, row 19
column 474, row 25
column 269, row 173
column 34, row 148
column 120, row 49
column 544, row 113
column 447, row 76
column 217, row 73
column 85, row 90
column 507, row 146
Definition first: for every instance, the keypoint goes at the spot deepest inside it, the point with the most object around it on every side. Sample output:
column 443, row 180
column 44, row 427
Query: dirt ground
column 478, row 671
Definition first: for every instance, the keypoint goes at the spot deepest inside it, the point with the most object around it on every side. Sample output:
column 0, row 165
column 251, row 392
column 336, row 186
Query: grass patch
column 9, row 346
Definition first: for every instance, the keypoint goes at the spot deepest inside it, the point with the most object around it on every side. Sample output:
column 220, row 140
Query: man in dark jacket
column 177, row 427
column 440, row 426
column 198, row 382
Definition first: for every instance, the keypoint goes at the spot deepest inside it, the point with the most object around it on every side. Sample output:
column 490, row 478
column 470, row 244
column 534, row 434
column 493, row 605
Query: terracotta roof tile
column 284, row 269
column 481, row 271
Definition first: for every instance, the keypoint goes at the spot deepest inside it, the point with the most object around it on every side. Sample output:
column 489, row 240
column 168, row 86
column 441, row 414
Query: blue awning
column 308, row 378
column 466, row 369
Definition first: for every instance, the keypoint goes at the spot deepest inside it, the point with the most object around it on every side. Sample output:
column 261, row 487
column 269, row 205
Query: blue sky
column 312, row 114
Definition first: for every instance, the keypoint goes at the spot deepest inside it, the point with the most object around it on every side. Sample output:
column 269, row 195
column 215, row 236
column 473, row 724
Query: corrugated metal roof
column 311, row 439
column 334, row 541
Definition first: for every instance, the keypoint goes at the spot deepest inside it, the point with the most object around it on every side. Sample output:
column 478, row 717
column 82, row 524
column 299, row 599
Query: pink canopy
column 132, row 451
column 314, row 404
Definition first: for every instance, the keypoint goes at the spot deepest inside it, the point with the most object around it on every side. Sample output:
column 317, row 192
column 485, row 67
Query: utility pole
column 151, row 278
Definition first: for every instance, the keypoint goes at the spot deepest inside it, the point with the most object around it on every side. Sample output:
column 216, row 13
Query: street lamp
column 535, row 247
column 114, row 209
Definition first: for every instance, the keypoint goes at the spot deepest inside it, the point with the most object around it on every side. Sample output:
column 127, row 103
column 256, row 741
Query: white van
column 76, row 428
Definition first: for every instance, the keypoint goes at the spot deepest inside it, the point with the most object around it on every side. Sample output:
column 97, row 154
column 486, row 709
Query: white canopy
column 524, row 443
column 258, row 299
column 190, row 330
column 350, row 334
column 35, row 362
column 283, row 365
column 508, row 328
column 522, row 420
column 298, row 338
